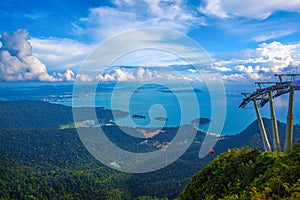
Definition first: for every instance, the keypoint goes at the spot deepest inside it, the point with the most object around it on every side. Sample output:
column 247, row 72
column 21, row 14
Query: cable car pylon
column 275, row 134
column 262, row 127
column 263, row 95
column 289, row 123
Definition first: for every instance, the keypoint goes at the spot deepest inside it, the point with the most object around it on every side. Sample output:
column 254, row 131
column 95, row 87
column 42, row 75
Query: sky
column 246, row 40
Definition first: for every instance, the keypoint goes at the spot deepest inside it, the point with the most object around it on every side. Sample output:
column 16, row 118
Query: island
column 161, row 118
column 139, row 116
column 180, row 91
column 201, row 120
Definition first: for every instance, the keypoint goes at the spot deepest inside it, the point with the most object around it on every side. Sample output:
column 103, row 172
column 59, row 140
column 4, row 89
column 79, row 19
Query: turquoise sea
column 161, row 105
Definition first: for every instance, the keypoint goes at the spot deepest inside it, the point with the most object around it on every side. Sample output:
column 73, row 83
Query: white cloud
column 234, row 77
column 147, row 74
column 104, row 22
column 192, row 70
column 281, row 25
column 255, row 9
column 60, row 53
column 68, row 75
column 158, row 56
column 16, row 59
column 272, row 35
column 214, row 7
column 17, row 63
column 84, row 78
column 122, row 74
column 260, row 63
column 223, row 69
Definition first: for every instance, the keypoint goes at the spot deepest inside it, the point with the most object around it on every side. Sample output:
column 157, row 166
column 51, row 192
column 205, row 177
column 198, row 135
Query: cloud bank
column 260, row 63
column 125, row 74
column 18, row 63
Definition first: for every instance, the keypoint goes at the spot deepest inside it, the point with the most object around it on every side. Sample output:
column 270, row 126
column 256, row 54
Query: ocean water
column 179, row 105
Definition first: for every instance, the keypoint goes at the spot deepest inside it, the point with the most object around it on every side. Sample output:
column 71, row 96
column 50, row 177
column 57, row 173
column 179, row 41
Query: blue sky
column 247, row 40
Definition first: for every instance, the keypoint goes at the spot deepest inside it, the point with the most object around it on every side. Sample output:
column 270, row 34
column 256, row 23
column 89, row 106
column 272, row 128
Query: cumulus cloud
column 16, row 59
column 18, row 63
column 234, row 77
column 84, row 78
column 255, row 9
column 260, row 63
column 124, row 74
column 222, row 69
column 68, row 75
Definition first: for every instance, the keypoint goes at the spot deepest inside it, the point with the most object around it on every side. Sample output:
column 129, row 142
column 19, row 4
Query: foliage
column 40, row 161
column 248, row 174
column 54, row 164
column 41, row 115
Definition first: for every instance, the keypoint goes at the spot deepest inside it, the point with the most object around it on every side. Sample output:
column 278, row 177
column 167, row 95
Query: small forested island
column 201, row 120
column 161, row 118
column 180, row 91
column 139, row 116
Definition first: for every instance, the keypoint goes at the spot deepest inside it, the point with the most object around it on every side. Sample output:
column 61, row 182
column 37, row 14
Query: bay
column 176, row 104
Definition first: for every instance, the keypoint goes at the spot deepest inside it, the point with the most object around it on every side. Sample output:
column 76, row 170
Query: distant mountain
column 38, row 160
column 42, row 115
column 251, row 136
column 33, row 114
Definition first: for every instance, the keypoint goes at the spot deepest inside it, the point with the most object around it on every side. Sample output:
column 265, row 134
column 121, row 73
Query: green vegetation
column 39, row 160
column 248, row 174
column 53, row 165
column 74, row 125
column 42, row 115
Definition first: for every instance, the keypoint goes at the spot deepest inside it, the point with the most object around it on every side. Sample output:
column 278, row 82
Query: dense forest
column 41, row 115
column 41, row 161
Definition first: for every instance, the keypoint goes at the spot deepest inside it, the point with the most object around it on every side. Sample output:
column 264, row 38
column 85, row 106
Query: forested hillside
column 40, row 161
column 54, row 163
column 247, row 174
column 41, row 115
